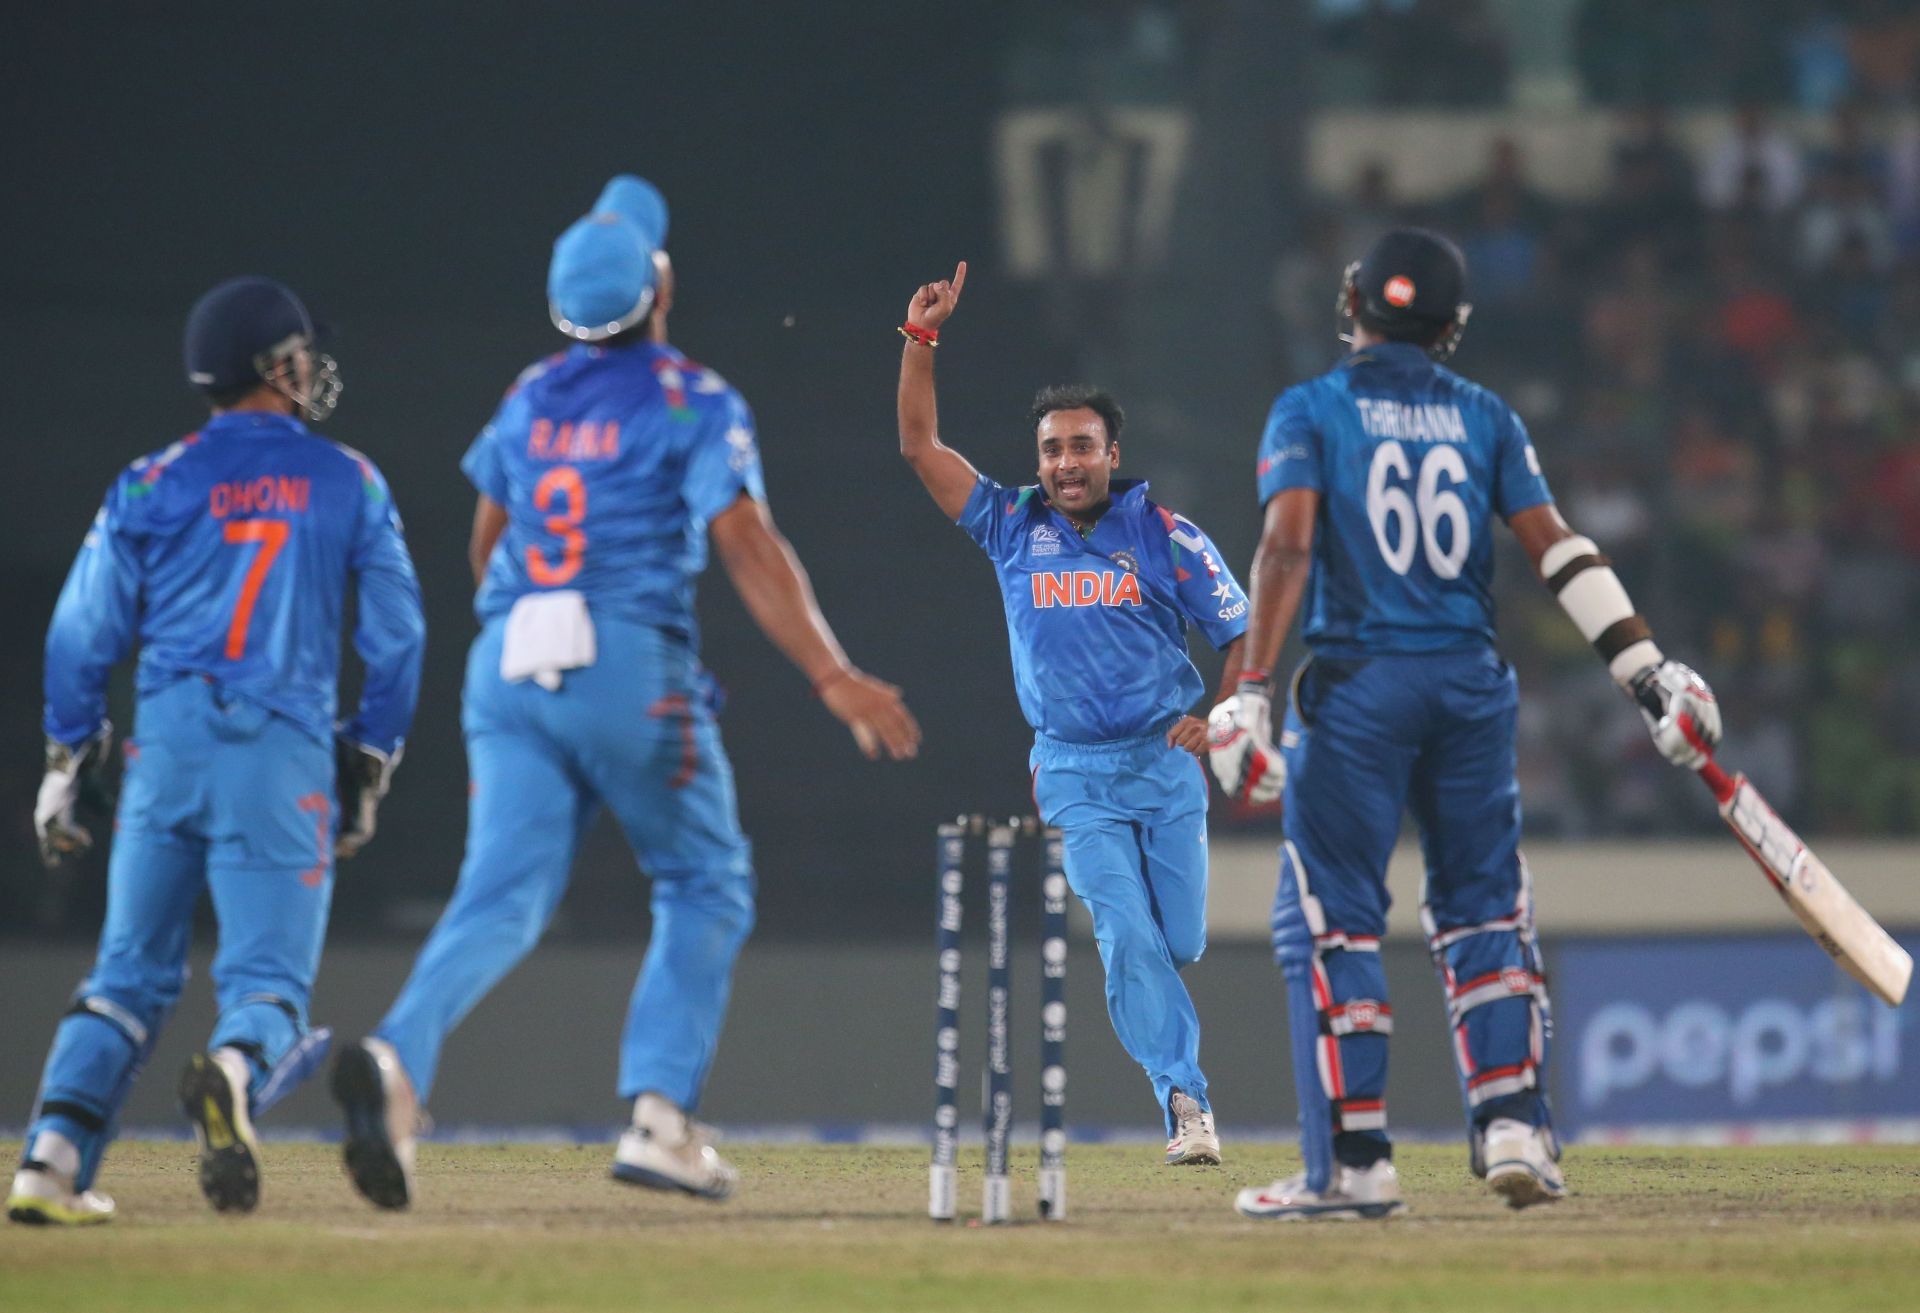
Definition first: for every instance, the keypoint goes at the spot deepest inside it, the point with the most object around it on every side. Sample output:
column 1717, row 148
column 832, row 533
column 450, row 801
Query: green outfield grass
column 519, row 1227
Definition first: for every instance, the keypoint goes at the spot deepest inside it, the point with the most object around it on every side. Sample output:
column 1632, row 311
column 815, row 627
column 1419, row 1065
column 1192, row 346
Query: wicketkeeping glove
column 1667, row 692
column 74, row 774
column 362, row 775
column 1240, row 747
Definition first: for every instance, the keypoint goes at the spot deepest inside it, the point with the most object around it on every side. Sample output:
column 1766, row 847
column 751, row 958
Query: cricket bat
column 1828, row 912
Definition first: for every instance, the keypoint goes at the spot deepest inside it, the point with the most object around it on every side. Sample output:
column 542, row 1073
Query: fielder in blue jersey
column 226, row 558
column 1101, row 586
column 603, row 478
column 1381, row 481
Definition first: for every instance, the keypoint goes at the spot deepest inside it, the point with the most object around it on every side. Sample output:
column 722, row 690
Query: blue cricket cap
column 601, row 279
column 640, row 203
column 239, row 328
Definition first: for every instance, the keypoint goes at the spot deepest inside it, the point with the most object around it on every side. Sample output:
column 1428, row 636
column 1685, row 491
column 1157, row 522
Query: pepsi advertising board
column 1727, row 1031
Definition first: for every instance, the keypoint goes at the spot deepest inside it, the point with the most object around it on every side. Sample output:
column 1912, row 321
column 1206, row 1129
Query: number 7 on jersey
column 272, row 536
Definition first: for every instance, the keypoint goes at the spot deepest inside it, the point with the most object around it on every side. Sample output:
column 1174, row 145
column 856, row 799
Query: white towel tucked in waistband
column 547, row 633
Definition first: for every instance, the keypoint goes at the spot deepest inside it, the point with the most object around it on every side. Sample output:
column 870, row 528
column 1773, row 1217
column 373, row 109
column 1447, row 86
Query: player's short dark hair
column 1076, row 396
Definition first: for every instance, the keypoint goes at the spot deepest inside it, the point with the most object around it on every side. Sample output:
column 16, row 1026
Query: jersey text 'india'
column 1085, row 588
column 1097, row 617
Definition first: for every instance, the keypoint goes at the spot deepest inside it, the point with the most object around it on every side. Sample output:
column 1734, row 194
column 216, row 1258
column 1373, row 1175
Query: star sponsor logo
column 1222, row 591
column 1044, row 541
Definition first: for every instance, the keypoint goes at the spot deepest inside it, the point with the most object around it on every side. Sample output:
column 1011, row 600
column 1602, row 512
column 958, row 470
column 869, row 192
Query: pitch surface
column 534, row 1227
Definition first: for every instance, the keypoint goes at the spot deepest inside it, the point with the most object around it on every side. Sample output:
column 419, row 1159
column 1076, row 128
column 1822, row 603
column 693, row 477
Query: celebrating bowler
column 1100, row 585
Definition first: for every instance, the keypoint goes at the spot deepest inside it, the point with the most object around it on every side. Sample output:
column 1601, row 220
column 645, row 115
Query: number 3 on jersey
column 561, row 480
column 1417, row 519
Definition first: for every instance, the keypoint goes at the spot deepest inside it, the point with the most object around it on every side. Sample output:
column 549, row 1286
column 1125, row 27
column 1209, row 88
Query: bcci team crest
column 1126, row 561
column 1044, row 541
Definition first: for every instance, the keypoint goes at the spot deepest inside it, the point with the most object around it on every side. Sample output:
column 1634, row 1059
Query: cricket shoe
column 43, row 1193
column 213, row 1095
column 383, row 1117
column 666, row 1150
column 1195, row 1143
column 1520, row 1164
column 1355, row 1192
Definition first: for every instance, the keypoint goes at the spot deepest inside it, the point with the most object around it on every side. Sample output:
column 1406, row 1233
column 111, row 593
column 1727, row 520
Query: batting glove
column 1240, row 747
column 73, row 774
column 1666, row 693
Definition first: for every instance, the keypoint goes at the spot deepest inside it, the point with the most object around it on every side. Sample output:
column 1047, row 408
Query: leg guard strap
column 114, row 1015
column 1497, row 1003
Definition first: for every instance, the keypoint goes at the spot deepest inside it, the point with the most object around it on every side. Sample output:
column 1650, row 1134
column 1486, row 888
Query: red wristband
column 920, row 336
column 1250, row 675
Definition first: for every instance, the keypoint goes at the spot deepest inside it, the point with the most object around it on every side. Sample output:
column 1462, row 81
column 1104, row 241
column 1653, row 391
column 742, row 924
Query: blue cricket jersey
column 610, row 462
column 1098, row 626
column 227, row 556
column 1411, row 462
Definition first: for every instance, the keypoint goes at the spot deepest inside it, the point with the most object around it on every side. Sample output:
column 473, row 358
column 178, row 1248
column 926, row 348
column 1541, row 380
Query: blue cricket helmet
column 244, row 331
column 239, row 326
column 1412, row 284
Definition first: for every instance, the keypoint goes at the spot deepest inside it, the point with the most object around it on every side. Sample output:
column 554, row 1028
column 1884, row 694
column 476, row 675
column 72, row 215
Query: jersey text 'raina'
column 585, row 440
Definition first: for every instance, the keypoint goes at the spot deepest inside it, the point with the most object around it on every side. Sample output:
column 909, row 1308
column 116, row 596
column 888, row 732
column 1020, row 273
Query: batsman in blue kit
column 1101, row 586
column 1381, row 480
column 602, row 478
column 226, row 558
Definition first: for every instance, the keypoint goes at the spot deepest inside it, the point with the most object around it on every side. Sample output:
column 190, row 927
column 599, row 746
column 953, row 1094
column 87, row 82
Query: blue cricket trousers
column 1133, row 814
column 223, row 795
column 633, row 732
column 1367, row 739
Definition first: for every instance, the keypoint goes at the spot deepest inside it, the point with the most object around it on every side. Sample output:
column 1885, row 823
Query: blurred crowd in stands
column 1720, row 360
column 1811, row 54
